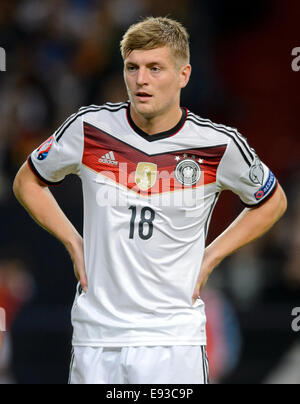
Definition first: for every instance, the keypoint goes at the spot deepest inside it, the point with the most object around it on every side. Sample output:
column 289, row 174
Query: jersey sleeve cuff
column 38, row 175
column 263, row 200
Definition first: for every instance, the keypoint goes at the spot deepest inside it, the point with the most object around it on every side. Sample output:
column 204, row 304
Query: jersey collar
column 161, row 135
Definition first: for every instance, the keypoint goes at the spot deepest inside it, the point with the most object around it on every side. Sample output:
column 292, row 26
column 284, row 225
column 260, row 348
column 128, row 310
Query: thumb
column 84, row 282
column 81, row 277
column 196, row 293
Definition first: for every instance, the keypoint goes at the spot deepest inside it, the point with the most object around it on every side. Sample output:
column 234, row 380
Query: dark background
column 63, row 54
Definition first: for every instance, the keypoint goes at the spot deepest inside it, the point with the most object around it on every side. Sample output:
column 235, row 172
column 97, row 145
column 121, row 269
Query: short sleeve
column 242, row 172
column 61, row 154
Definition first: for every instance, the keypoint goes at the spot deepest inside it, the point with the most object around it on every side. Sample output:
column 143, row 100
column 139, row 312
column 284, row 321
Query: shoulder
column 96, row 109
column 217, row 129
column 74, row 122
column 230, row 136
column 108, row 106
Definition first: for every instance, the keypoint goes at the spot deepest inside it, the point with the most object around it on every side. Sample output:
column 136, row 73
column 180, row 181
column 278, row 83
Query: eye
column 131, row 68
column 155, row 69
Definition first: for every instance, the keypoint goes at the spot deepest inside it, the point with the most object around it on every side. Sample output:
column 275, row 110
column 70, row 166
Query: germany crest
column 188, row 172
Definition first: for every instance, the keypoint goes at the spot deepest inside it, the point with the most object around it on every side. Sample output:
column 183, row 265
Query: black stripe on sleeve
column 38, row 175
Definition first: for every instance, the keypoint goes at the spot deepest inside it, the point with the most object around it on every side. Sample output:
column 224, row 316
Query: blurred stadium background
column 62, row 54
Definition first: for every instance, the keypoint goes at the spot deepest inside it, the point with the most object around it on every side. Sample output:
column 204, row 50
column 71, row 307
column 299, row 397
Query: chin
column 147, row 111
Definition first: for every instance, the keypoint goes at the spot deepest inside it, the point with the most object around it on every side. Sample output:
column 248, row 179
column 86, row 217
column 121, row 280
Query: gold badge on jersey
column 145, row 175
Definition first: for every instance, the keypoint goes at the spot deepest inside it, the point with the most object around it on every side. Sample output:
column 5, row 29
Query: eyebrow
column 147, row 65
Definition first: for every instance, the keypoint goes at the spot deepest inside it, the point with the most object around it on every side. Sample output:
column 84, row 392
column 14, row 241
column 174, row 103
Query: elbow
column 19, row 182
column 25, row 183
column 283, row 203
column 17, row 186
column 275, row 207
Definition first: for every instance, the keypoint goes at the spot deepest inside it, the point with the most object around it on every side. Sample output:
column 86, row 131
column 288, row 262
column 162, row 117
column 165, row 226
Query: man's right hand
column 36, row 198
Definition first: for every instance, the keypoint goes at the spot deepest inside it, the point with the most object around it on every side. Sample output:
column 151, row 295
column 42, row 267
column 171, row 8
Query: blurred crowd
column 63, row 54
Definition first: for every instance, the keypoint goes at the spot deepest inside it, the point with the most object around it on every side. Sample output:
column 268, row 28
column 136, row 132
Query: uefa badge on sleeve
column 43, row 150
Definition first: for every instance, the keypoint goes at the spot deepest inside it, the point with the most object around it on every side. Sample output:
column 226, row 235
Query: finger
column 195, row 295
column 83, row 280
column 81, row 277
column 84, row 283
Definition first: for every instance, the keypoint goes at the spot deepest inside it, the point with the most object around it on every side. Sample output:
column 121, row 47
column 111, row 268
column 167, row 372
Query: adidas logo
column 109, row 158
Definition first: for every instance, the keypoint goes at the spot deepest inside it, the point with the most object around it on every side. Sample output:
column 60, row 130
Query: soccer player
column 151, row 173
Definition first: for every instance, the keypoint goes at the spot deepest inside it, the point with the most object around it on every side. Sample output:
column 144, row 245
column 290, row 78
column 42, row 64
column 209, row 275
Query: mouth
column 143, row 96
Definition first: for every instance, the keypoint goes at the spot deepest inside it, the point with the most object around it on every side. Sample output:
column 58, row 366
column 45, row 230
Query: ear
column 185, row 74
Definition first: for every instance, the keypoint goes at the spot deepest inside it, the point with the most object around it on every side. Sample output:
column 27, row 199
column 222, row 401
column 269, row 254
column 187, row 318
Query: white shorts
column 182, row 364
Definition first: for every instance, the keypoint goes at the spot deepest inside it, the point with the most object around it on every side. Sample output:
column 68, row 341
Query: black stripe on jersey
column 115, row 104
column 71, row 365
column 35, row 171
column 203, row 366
column 198, row 123
column 210, row 214
column 233, row 131
column 72, row 116
column 84, row 110
column 207, row 365
column 58, row 131
column 158, row 136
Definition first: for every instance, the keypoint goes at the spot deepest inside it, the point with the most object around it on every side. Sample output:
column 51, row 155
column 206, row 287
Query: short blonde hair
column 156, row 32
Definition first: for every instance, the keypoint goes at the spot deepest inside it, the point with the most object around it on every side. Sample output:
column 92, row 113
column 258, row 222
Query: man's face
column 153, row 82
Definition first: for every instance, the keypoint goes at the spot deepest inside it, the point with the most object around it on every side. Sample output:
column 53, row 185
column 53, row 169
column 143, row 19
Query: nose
column 142, row 77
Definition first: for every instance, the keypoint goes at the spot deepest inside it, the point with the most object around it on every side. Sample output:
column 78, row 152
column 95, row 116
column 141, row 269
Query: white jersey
column 148, row 201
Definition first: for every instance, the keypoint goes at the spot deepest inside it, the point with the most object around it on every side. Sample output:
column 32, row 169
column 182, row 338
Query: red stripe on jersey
column 131, row 166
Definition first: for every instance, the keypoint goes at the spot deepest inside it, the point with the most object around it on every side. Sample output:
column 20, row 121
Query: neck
column 156, row 124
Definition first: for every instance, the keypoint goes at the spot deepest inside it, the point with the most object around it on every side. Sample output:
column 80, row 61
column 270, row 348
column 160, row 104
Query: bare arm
column 248, row 226
column 43, row 208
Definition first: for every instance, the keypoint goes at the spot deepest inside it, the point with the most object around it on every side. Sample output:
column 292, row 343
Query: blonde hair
column 152, row 33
